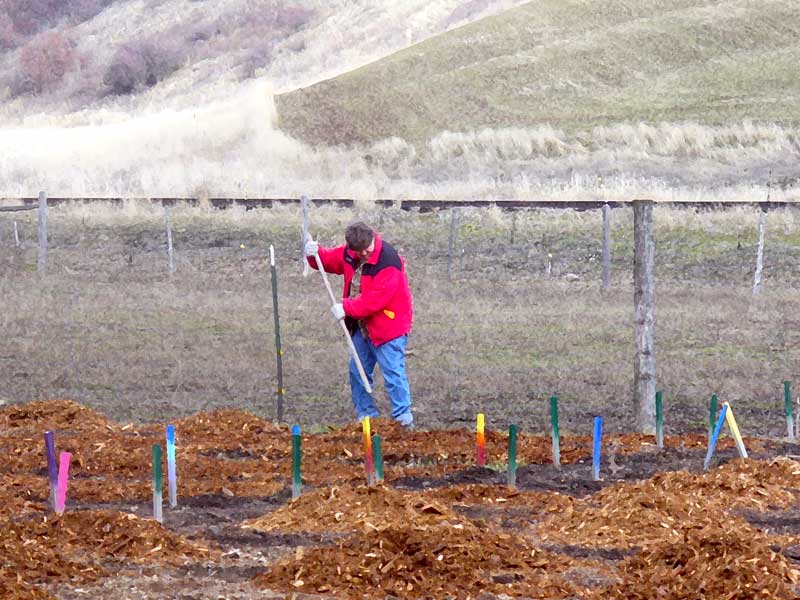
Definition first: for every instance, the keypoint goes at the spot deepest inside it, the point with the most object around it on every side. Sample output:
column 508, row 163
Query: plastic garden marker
column 737, row 437
column 172, row 479
column 368, row 464
column 279, row 352
column 63, row 478
column 596, row 447
column 712, row 442
column 787, row 396
column 712, row 415
column 52, row 467
column 157, row 484
column 512, row 455
column 480, row 441
column 554, row 427
column 377, row 455
column 297, row 479
column 660, row 420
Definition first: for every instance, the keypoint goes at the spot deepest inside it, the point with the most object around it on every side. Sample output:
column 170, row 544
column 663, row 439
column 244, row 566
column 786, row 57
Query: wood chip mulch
column 631, row 515
column 722, row 560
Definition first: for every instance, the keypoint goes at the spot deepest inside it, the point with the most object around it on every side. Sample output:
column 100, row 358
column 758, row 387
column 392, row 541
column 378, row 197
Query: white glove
column 338, row 312
column 312, row 247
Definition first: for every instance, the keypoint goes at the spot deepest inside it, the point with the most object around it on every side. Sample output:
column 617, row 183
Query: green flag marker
column 157, row 484
column 554, row 428
column 512, row 455
column 659, row 420
column 712, row 416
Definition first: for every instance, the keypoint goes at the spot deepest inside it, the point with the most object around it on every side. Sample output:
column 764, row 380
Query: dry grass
column 109, row 328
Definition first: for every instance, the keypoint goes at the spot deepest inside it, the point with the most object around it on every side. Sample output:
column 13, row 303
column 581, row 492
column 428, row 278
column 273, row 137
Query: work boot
column 407, row 421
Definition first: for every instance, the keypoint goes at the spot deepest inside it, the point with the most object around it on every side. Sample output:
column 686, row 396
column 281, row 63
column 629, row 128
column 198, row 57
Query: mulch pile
column 229, row 430
column 435, row 560
column 635, row 514
column 43, row 415
column 348, row 509
column 78, row 546
column 715, row 561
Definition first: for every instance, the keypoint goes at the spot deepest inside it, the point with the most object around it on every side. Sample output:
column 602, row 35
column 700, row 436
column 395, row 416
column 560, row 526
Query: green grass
column 576, row 64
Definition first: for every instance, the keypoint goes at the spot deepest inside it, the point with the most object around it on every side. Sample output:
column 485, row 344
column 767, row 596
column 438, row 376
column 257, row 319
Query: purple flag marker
column 52, row 467
column 172, row 480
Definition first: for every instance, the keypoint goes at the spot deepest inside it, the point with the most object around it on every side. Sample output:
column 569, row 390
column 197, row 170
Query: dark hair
column 359, row 236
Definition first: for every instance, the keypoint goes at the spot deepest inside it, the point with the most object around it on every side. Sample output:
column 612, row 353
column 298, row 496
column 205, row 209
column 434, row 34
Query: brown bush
column 142, row 63
column 44, row 61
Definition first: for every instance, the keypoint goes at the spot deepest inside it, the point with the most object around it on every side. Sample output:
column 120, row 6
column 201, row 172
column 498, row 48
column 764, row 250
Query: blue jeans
column 391, row 357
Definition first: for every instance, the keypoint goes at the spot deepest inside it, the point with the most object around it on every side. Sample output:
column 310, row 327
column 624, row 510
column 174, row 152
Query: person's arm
column 377, row 297
column 332, row 259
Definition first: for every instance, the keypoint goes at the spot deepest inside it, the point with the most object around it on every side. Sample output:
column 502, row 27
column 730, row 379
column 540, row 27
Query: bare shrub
column 44, row 61
column 141, row 63
column 9, row 38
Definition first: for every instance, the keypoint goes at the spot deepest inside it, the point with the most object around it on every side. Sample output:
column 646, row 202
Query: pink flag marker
column 63, row 477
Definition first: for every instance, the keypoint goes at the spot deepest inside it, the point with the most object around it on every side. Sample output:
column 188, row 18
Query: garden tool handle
column 350, row 344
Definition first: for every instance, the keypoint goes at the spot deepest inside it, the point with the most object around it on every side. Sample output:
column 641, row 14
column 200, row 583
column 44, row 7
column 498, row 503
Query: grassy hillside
column 573, row 64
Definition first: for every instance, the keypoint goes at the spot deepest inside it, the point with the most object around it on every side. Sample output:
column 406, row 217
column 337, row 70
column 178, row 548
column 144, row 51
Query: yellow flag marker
column 737, row 437
column 481, row 441
column 369, row 465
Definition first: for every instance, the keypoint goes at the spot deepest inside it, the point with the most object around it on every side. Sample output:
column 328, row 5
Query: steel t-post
column 350, row 344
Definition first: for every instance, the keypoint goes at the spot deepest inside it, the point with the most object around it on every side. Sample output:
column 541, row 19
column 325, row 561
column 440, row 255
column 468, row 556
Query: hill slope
column 567, row 99
column 572, row 64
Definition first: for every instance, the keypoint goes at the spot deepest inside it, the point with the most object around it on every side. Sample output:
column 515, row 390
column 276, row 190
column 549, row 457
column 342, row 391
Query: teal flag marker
column 297, row 480
column 377, row 455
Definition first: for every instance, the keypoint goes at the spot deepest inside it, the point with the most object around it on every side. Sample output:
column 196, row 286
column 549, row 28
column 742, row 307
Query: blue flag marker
column 713, row 441
column 596, row 448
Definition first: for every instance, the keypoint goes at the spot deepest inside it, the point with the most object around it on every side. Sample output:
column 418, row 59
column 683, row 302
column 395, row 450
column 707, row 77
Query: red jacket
column 385, row 303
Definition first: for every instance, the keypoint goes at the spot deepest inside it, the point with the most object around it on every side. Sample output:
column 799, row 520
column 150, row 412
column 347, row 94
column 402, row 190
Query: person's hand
column 338, row 312
column 312, row 247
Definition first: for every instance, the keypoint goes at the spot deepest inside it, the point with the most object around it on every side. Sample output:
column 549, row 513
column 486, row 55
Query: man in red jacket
column 377, row 309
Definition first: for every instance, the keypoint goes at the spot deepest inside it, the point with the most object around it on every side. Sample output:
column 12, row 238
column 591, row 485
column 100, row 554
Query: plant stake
column 480, row 442
column 172, row 479
column 52, row 467
column 554, row 429
column 512, row 456
column 63, row 478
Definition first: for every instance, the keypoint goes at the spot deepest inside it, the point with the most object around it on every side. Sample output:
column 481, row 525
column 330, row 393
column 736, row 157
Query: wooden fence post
column 606, row 247
column 170, row 262
column 644, row 373
column 757, row 276
column 41, row 265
